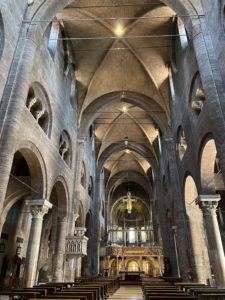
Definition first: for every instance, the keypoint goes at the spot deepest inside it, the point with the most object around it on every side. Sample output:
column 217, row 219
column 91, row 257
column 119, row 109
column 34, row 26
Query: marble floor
column 129, row 292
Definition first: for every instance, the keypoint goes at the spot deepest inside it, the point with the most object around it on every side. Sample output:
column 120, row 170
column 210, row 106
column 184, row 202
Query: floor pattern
column 128, row 293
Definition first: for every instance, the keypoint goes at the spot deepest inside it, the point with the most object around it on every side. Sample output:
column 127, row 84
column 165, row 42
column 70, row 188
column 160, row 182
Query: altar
column 131, row 275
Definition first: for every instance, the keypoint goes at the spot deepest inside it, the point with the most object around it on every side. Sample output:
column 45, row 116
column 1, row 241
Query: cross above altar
column 129, row 201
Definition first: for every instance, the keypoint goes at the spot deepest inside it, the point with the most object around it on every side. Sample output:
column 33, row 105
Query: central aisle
column 132, row 292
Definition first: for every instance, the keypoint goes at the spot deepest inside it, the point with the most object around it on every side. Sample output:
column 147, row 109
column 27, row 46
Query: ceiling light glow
column 119, row 30
column 124, row 109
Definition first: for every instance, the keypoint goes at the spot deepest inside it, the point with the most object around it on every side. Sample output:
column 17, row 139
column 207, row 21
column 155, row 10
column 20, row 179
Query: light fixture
column 126, row 142
column 125, row 109
column 119, row 29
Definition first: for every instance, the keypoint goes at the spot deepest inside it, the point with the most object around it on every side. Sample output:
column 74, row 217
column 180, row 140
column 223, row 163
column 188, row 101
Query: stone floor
column 128, row 292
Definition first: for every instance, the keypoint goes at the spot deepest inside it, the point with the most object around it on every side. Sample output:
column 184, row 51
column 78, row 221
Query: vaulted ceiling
column 121, row 52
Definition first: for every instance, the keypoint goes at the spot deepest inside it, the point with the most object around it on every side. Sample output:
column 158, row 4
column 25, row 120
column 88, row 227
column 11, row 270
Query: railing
column 131, row 237
column 134, row 251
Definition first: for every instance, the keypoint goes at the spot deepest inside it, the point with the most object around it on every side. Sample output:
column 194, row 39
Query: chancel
column 112, row 148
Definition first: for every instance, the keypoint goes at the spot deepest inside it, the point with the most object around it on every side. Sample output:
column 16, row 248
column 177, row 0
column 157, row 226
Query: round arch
column 121, row 177
column 135, row 98
column 36, row 189
column 207, row 160
column 62, row 195
column 37, row 166
column 190, row 191
column 49, row 10
column 131, row 146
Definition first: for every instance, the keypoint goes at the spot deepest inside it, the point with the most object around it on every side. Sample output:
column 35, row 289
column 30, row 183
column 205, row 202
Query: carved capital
column 208, row 203
column 38, row 208
column 79, row 231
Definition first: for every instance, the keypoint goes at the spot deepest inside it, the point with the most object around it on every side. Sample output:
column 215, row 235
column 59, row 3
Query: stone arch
column 62, row 193
column 190, row 191
column 37, row 166
column 104, row 101
column 48, row 11
column 132, row 264
column 121, row 177
column 207, row 160
column 36, row 187
column 197, row 253
column 131, row 146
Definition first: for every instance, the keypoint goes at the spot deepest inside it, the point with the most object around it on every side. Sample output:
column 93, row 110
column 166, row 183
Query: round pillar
column 38, row 209
column 208, row 204
column 58, row 259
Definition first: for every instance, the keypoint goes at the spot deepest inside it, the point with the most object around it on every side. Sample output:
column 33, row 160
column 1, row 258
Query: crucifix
column 129, row 201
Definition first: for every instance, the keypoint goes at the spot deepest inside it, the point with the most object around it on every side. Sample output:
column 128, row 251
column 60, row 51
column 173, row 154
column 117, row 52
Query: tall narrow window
column 131, row 235
column 53, row 38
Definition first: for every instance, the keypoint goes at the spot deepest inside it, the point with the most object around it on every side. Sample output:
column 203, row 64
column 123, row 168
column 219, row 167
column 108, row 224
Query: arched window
column 197, row 95
column 73, row 93
column 181, row 142
column 53, row 38
column 83, row 175
column 65, row 147
column 182, row 34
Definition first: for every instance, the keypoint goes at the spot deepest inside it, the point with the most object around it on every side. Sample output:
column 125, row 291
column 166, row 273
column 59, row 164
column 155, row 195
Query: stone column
column 208, row 204
column 123, row 264
column 175, row 196
column 117, row 265
column 78, row 267
column 141, row 263
column 174, row 229
column 58, row 259
column 38, row 209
